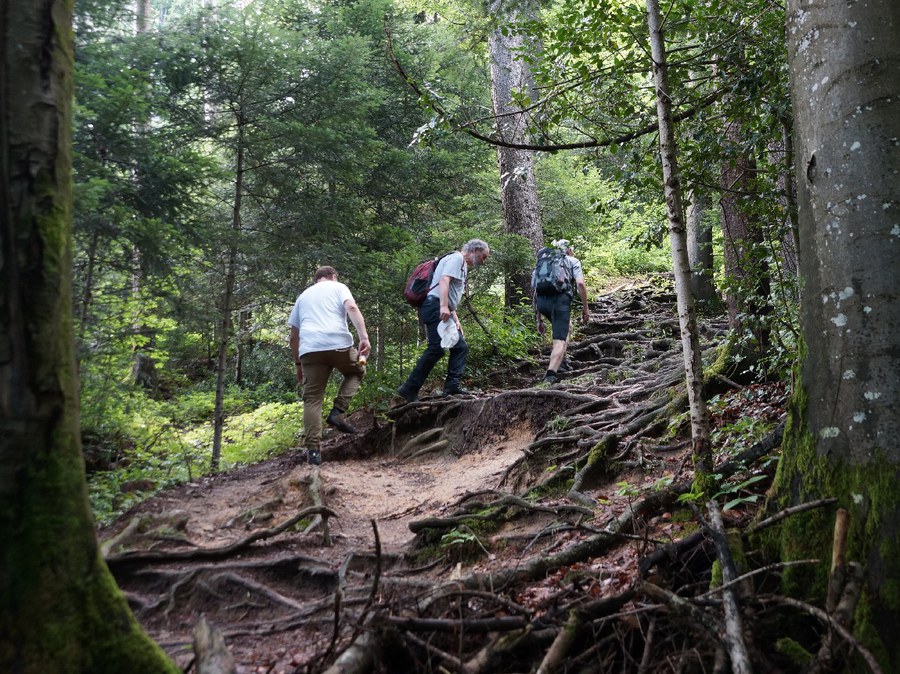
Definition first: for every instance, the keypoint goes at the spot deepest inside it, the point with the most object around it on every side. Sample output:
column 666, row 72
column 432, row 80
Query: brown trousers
column 317, row 367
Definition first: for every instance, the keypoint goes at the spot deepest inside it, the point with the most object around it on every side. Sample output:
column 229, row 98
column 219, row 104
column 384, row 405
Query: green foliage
column 462, row 544
column 737, row 429
column 143, row 445
column 612, row 236
column 623, row 488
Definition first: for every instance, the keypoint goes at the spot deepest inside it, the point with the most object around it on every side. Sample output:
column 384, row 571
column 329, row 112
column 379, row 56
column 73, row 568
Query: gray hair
column 476, row 246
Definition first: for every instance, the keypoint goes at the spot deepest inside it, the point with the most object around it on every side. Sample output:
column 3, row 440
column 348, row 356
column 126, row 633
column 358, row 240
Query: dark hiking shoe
column 455, row 391
column 336, row 419
column 550, row 378
column 407, row 395
column 314, row 456
column 565, row 366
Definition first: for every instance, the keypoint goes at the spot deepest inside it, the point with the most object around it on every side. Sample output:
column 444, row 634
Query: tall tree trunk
column 60, row 610
column 844, row 421
column 227, row 302
column 143, row 364
column 87, row 294
column 791, row 257
column 244, row 343
column 687, row 314
column 511, row 74
column 700, row 250
column 746, row 269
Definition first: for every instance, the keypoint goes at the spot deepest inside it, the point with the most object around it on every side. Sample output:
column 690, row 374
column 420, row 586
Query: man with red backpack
column 556, row 272
column 438, row 313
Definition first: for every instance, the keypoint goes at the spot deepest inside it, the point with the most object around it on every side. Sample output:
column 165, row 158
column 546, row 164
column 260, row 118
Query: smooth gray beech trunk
column 60, row 610
column 510, row 73
column 842, row 439
column 687, row 314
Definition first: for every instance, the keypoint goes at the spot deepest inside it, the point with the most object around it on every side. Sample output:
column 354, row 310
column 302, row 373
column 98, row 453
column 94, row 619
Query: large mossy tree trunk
column 844, row 425
column 60, row 610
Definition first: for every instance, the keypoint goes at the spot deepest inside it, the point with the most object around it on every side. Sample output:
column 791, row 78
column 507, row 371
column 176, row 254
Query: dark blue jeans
column 430, row 315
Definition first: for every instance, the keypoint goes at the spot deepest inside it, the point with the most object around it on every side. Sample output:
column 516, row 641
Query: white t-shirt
column 454, row 266
column 321, row 317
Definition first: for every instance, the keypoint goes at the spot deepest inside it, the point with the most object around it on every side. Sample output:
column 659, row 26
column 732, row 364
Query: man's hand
column 299, row 373
column 365, row 347
column 445, row 312
column 541, row 328
column 585, row 315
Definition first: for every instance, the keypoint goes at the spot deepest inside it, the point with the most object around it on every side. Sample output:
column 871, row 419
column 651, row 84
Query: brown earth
column 501, row 484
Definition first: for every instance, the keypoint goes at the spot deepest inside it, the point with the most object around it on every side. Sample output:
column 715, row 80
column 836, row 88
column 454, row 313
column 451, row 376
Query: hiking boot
column 565, row 366
column 336, row 419
column 407, row 395
column 314, row 456
column 550, row 378
column 455, row 391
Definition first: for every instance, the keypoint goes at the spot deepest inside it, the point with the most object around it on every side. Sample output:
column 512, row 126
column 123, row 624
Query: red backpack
column 418, row 285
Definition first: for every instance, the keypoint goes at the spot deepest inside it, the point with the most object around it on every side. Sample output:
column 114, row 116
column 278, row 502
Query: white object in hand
column 448, row 333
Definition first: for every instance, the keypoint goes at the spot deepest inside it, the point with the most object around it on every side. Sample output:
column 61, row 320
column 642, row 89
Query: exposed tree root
column 141, row 556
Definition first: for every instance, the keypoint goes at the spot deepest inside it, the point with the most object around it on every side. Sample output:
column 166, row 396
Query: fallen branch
column 734, row 627
column 359, row 658
column 466, row 626
column 559, row 650
column 707, row 621
column 787, row 512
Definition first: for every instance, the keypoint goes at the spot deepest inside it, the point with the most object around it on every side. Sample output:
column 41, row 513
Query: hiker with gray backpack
column 556, row 275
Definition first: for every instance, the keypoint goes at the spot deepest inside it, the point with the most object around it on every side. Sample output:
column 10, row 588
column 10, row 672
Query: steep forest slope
column 522, row 527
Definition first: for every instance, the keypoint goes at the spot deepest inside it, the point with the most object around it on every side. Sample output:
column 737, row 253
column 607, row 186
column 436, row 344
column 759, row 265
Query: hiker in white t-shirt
column 320, row 342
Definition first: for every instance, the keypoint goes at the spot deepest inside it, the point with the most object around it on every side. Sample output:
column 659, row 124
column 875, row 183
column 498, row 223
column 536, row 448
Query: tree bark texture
column 700, row 250
column 742, row 242
column 60, row 610
column 510, row 73
column 842, row 437
column 687, row 314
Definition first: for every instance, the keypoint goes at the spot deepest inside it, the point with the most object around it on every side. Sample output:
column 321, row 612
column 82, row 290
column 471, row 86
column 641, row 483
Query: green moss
column 722, row 362
column 738, row 556
column 63, row 611
column 867, row 490
column 705, row 484
column 794, row 651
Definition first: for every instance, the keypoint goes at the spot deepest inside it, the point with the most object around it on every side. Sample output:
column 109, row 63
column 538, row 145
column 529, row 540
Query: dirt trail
column 217, row 511
column 393, row 492
column 275, row 599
